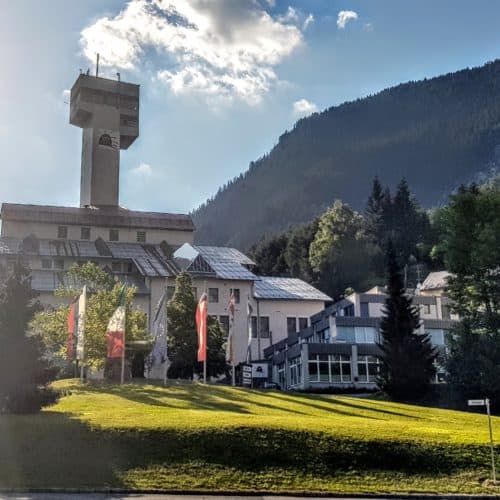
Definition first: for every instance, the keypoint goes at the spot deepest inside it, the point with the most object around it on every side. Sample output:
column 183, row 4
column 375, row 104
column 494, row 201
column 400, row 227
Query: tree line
column 344, row 250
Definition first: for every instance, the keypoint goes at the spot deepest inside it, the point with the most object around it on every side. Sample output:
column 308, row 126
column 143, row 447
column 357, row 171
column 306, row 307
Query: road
column 160, row 496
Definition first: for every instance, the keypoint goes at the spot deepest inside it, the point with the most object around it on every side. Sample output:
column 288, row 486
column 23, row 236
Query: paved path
column 118, row 496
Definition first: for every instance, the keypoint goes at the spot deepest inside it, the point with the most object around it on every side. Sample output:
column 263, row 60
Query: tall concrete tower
column 108, row 112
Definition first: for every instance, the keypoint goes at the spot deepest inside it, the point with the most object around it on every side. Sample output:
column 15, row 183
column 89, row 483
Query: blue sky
column 220, row 80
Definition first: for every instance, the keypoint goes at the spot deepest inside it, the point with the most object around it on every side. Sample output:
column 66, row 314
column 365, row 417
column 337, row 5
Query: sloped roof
column 224, row 254
column 222, row 262
column 49, row 248
column 287, row 289
column 435, row 280
column 102, row 216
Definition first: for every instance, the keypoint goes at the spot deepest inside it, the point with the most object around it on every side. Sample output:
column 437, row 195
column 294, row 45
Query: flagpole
column 122, row 374
column 206, row 338
column 83, row 319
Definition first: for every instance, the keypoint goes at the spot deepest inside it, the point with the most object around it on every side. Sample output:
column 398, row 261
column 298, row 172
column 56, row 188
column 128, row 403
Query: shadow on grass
column 53, row 450
column 58, row 451
column 195, row 397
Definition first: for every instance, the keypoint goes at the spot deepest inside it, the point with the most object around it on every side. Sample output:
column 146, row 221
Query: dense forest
column 436, row 133
column 344, row 250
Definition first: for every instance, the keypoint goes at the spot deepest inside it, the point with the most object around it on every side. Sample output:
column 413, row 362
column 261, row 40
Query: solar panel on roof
column 287, row 288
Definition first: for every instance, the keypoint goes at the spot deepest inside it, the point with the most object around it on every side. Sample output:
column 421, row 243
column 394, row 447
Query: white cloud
column 291, row 16
column 222, row 49
column 143, row 170
column 344, row 17
column 303, row 107
column 308, row 20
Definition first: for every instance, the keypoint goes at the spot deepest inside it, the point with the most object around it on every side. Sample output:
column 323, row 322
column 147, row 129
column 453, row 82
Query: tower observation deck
column 108, row 112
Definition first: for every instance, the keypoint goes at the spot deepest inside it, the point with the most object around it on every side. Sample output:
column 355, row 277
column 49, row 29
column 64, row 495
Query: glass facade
column 330, row 368
column 368, row 368
column 296, row 371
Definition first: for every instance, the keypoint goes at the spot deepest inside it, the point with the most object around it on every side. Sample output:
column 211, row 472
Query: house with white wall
column 340, row 347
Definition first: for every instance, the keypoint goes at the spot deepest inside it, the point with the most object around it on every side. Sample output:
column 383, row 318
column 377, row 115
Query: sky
column 220, row 80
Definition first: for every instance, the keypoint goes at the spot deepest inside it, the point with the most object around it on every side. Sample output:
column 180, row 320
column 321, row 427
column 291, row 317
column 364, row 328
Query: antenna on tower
column 97, row 66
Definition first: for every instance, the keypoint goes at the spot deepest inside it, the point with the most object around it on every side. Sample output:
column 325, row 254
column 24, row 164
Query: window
column 264, row 327
column 170, row 292
column 291, row 325
column 296, row 371
column 322, row 337
column 114, row 235
column 368, row 368
column 85, row 233
column 345, row 334
column 365, row 312
column 62, row 232
column 129, row 267
column 426, row 309
column 236, row 292
column 349, row 310
column 58, row 263
column 116, row 267
column 141, row 236
column 302, row 323
column 213, row 295
column 46, row 264
column 445, row 312
column 365, row 334
column 224, row 323
column 281, row 376
column 331, row 368
column 436, row 336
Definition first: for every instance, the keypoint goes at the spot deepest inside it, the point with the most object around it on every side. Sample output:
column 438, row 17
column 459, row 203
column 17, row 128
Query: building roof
column 220, row 262
column 103, row 216
column 224, row 254
column 435, row 280
column 287, row 289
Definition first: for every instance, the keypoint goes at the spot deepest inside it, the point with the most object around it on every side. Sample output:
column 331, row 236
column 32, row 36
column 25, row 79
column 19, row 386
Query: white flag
column 80, row 340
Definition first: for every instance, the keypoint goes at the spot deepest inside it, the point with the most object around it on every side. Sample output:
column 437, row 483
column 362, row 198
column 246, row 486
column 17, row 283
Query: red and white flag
column 201, row 327
column 115, row 333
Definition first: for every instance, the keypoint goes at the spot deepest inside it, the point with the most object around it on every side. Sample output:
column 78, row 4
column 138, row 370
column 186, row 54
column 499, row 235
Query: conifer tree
column 376, row 209
column 24, row 372
column 183, row 339
column 407, row 356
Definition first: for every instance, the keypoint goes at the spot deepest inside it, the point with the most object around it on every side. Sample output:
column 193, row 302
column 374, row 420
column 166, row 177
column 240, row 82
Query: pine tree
column 183, row 339
column 376, row 209
column 407, row 356
column 24, row 372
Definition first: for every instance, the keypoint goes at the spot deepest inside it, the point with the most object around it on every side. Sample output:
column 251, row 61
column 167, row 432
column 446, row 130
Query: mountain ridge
column 437, row 133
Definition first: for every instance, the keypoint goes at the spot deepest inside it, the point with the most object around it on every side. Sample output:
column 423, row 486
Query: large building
column 143, row 249
column 339, row 349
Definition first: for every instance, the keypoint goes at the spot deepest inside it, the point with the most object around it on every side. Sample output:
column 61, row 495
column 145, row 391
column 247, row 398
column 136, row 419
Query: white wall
column 17, row 229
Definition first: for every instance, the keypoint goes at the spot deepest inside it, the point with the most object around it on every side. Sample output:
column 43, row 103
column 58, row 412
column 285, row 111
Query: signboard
column 476, row 402
column 260, row 370
column 246, row 372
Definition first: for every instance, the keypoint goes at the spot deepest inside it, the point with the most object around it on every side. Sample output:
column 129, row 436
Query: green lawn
column 220, row 438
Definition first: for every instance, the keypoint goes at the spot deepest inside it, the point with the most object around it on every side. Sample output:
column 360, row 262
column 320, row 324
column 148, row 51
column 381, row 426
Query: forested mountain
column 437, row 133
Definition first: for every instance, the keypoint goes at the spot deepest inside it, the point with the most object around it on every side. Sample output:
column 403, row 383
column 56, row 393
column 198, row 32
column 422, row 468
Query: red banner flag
column 71, row 331
column 201, row 327
column 115, row 335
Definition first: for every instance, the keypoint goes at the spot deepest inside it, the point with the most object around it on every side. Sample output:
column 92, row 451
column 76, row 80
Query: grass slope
column 220, row 438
